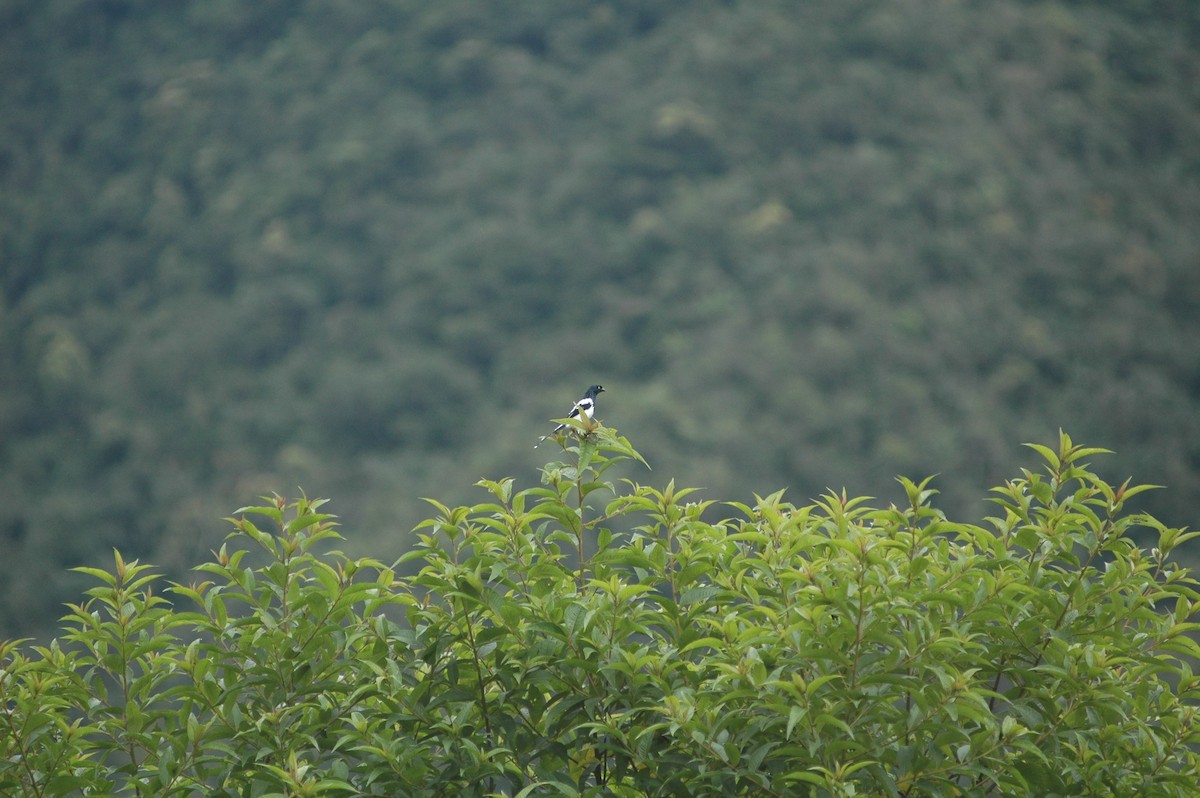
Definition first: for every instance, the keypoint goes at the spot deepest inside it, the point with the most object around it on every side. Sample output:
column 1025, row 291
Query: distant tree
column 826, row 650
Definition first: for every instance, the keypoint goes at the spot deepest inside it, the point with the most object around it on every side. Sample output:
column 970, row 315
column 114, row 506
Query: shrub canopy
column 599, row 637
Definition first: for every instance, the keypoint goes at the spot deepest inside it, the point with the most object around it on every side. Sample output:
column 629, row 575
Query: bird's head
column 595, row 389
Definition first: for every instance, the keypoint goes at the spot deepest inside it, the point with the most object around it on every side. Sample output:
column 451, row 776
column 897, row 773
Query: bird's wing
column 575, row 411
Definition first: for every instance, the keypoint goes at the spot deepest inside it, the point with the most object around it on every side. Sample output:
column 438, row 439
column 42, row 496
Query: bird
column 585, row 407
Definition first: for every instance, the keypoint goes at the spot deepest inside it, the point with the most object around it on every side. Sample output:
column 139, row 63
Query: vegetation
column 832, row 649
column 370, row 247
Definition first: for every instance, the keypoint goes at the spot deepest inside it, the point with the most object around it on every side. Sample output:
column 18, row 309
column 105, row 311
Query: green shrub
column 548, row 643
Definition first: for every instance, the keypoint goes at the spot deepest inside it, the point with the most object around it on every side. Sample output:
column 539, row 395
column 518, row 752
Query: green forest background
column 370, row 248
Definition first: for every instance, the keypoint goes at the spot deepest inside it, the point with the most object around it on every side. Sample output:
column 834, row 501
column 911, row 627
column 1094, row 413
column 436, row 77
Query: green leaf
column 98, row 573
column 808, row 777
column 795, row 715
column 1047, row 454
column 698, row 594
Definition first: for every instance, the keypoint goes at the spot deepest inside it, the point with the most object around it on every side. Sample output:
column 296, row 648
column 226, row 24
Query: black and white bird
column 585, row 407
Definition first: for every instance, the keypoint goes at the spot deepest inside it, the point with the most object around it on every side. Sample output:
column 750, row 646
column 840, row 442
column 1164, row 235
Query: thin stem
column 581, row 577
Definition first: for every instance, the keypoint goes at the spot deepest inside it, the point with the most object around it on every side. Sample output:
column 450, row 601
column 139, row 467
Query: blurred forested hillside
column 370, row 248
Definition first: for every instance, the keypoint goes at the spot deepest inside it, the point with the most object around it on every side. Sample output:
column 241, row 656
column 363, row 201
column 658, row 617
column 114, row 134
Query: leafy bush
column 545, row 643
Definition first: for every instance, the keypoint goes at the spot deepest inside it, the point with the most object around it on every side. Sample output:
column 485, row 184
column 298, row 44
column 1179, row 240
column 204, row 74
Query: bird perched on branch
column 584, row 409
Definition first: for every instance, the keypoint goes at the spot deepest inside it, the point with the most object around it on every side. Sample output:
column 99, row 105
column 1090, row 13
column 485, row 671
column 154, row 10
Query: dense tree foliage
column 369, row 247
column 830, row 649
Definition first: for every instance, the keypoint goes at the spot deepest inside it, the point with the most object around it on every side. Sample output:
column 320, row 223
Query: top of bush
column 599, row 637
